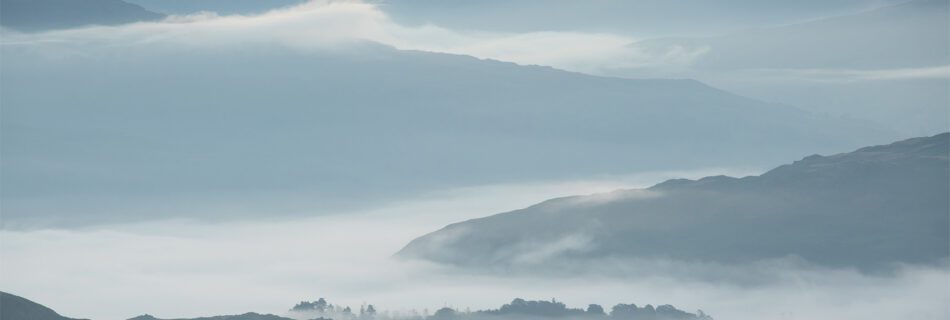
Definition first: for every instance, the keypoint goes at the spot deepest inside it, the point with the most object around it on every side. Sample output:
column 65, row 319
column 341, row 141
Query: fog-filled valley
column 474, row 160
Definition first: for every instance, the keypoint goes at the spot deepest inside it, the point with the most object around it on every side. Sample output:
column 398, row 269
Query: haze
column 195, row 158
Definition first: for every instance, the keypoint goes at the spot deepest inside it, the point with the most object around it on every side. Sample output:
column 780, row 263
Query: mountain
column 865, row 209
column 151, row 131
column 14, row 307
column 42, row 15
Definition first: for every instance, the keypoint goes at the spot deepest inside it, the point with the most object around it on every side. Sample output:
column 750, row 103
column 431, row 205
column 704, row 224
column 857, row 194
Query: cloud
column 531, row 253
column 193, row 268
column 618, row 195
column 325, row 24
column 328, row 24
column 185, row 269
column 844, row 75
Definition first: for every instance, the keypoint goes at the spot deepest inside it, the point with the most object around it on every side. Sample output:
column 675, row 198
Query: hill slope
column 865, row 209
column 13, row 307
column 350, row 125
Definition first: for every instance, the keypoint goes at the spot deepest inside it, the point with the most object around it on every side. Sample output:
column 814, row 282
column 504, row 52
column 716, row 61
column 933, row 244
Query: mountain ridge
column 45, row 15
column 387, row 124
column 867, row 209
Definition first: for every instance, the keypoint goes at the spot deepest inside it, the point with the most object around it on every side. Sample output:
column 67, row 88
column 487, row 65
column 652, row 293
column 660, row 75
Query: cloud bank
column 182, row 269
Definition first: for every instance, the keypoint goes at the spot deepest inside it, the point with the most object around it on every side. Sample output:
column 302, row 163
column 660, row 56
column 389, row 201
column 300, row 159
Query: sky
column 186, row 268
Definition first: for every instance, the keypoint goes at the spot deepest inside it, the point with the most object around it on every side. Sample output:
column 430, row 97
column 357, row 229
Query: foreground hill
column 13, row 307
column 868, row 208
column 41, row 15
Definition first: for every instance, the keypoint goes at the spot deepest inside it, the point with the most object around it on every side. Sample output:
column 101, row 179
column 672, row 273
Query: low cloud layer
column 185, row 269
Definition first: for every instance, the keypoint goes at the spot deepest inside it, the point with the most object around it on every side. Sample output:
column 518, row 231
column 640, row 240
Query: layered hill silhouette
column 866, row 209
column 13, row 307
column 43, row 15
column 359, row 124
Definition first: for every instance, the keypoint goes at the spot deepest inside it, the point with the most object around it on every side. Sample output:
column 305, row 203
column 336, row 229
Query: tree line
column 517, row 309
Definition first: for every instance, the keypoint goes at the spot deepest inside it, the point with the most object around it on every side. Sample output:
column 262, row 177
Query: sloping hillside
column 145, row 123
column 13, row 307
column 868, row 208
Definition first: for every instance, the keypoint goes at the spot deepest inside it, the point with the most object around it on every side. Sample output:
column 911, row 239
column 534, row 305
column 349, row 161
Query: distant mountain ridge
column 357, row 125
column 42, row 15
column 866, row 209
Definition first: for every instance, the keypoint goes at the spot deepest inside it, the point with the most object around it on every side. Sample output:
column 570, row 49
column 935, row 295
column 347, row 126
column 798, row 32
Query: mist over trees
column 517, row 309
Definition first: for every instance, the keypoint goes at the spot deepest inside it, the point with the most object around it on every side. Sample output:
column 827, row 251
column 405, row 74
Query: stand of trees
column 517, row 309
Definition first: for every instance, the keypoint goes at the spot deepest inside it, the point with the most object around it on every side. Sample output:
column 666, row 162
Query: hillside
column 148, row 123
column 865, row 209
column 13, row 307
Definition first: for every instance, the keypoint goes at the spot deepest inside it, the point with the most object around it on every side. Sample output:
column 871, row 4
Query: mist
column 183, row 268
column 224, row 157
column 330, row 106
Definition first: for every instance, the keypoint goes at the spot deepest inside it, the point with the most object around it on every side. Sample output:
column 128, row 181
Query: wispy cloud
column 849, row 75
column 324, row 24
